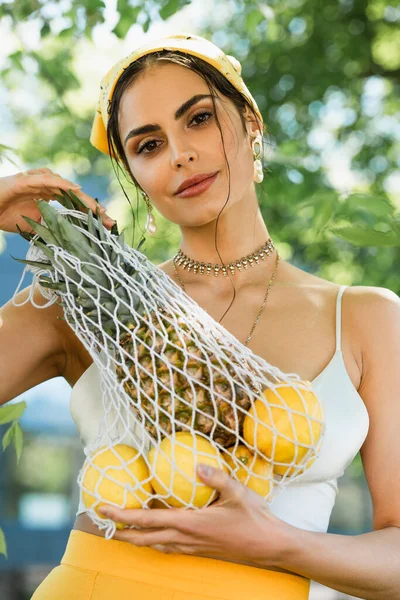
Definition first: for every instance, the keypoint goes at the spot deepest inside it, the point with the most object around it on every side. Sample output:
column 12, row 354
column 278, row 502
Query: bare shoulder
column 374, row 309
column 370, row 295
column 371, row 305
column 364, row 296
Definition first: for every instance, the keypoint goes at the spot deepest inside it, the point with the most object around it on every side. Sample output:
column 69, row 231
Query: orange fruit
column 173, row 467
column 291, row 428
column 256, row 473
column 110, row 487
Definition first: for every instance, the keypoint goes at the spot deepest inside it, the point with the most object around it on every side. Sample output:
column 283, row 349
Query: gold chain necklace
column 263, row 303
column 242, row 263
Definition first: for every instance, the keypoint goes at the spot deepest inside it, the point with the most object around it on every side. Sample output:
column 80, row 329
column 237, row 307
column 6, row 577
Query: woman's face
column 184, row 144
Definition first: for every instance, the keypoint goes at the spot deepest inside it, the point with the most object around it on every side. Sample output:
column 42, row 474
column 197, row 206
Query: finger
column 222, row 482
column 42, row 170
column 148, row 538
column 40, row 181
column 47, row 184
column 164, row 549
column 146, row 519
column 95, row 206
column 177, row 549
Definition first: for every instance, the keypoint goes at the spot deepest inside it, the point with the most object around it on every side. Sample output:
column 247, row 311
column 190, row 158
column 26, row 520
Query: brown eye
column 202, row 114
column 147, row 148
column 144, row 146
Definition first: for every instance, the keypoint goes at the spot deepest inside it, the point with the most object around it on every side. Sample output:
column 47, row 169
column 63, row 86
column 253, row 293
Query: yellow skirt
column 94, row 568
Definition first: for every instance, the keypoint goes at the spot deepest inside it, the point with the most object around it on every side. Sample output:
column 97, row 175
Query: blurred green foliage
column 13, row 435
column 312, row 68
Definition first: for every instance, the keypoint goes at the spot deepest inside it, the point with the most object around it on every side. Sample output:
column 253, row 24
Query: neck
column 240, row 232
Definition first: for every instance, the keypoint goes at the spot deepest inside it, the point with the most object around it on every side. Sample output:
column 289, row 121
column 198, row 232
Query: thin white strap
column 339, row 317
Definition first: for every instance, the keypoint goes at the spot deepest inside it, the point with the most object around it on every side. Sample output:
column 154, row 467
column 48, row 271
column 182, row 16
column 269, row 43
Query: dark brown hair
column 215, row 82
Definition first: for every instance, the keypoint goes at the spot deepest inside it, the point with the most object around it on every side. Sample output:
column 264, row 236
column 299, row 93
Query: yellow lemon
column 110, row 487
column 173, row 465
column 257, row 471
column 279, row 417
column 158, row 504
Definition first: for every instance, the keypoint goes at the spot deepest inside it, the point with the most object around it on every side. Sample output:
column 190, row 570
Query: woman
column 170, row 111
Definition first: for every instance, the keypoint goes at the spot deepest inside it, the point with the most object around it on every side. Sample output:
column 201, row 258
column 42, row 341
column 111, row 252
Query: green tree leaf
column 171, row 7
column 3, row 545
column 94, row 5
column 146, row 24
column 45, row 30
column 367, row 237
column 11, row 412
column 8, row 436
column 324, row 214
column 126, row 21
column 18, row 441
column 377, row 205
column 253, row 19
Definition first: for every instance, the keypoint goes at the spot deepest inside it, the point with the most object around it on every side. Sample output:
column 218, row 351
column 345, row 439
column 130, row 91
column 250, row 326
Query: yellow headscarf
column 198, row 46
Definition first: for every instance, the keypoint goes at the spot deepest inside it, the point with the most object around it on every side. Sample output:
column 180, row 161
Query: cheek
column 152, row 174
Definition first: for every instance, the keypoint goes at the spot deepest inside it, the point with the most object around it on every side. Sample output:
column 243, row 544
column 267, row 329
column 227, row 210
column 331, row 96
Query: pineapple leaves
column 42, row 231
column 76, row 242
column 25, row 234
column 50, row 217
column 100, row 226
column 91, row 229
column 33, row 263
column 58, row 286
column 114, row 229
column 65, row 200
column 140, row 244
column 83, row 239
column 71, row 201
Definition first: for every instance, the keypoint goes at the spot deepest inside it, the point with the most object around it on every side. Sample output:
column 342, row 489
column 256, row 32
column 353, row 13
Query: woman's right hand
column 18, row 195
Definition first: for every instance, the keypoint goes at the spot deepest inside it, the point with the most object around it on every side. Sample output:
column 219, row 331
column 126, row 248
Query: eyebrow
column 151, row 127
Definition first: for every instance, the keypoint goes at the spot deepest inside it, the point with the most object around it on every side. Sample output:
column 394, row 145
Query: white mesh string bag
column 177, row 387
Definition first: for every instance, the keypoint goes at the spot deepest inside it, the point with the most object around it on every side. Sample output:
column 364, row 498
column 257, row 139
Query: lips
column 198, row 188
column 194, row 180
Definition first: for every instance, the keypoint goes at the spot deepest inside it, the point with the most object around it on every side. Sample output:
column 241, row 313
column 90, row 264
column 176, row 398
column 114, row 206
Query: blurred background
column 326, row 78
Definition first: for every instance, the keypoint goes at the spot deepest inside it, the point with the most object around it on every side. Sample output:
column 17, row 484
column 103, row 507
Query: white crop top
column 306, row 503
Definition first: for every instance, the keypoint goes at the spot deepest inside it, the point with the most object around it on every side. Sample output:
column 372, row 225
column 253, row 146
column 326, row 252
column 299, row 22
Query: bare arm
column 32, row 345
column 367, row 565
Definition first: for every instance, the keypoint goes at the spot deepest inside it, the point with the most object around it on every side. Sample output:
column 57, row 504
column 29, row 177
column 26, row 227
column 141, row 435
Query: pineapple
column 220, row 421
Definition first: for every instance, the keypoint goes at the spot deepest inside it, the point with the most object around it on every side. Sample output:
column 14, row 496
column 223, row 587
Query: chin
column 201, row 219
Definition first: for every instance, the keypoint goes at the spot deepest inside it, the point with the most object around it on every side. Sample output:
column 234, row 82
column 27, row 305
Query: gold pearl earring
column 150, row 226
column 256, row 145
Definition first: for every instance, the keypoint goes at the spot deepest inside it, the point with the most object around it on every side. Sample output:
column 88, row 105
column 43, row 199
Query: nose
column 181, row 157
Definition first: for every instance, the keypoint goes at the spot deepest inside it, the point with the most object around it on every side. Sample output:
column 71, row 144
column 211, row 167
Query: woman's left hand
column 239, row 526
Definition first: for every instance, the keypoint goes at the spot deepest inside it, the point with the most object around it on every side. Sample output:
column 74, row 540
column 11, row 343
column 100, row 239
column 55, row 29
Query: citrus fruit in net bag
column 253, row 471
column 291, row 429
column 173, row 466
column 108, row 473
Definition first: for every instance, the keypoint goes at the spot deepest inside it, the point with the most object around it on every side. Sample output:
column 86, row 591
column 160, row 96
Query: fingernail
column 109, row 219
column 76, row 186
column 205, row 470
column 105, row 511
